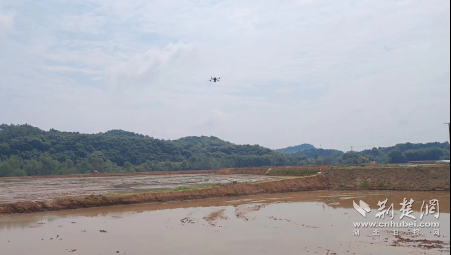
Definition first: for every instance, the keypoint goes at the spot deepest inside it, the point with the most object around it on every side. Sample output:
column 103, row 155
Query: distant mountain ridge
column 29, row 151
column 297, row 148
column 122, row 133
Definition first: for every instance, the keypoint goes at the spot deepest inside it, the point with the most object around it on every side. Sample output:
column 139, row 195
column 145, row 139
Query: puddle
column 300, row 223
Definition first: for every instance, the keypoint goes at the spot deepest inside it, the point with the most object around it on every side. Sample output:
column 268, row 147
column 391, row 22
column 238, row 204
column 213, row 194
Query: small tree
column 397, row 157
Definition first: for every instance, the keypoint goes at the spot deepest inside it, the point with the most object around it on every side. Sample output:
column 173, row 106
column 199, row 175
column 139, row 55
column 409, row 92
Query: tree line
column 29, row 151
column 400, row 153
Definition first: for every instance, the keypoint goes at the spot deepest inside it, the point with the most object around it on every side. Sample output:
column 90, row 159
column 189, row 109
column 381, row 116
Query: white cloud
column 87, row 23
column 151, row 67
column 339, row 73
column 6, row 22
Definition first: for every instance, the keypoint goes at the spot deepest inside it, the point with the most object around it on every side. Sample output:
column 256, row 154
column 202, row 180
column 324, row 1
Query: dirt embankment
column 231, row 190
column 420, row 178
column 265, row 170
column 366, row 177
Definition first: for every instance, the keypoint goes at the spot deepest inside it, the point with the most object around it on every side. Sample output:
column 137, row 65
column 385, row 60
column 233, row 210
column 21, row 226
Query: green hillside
column 27, row 150
column 294, row 149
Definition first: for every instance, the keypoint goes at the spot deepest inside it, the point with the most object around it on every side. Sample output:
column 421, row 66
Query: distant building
column 430, row 162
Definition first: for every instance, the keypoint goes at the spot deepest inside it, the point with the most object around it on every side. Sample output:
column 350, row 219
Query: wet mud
column 43, row 189
column 265, row 170
column 29, row 195
column 229, row 190
column 215, row 216
column 312, row 222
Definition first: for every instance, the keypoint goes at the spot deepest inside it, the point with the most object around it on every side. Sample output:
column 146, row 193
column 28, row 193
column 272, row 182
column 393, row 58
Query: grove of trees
column 29, row 151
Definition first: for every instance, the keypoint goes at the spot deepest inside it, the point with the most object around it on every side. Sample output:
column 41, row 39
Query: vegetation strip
column 291, row 172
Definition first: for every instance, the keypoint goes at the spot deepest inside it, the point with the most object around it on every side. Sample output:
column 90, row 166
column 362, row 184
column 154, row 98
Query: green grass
column 381, row 185
column 364, row 185
column 195, row 188
column 290, row 172
column 179, row 189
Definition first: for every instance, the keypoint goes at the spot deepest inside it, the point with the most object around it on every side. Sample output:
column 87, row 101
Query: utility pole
column 322, row 159
column 449, row 126
column 352, row 152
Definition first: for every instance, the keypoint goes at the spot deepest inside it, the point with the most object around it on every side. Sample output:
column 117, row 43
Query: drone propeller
column 215, row 79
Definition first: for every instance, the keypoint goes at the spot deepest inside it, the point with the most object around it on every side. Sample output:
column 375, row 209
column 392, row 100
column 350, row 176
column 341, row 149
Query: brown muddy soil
column 230, row 190
column 265, row 170
column 113, row 175
column 43, row 189
column 418, row 178
column 27, row 195
column 312, row 222
column 425, row 244
column 215, row 216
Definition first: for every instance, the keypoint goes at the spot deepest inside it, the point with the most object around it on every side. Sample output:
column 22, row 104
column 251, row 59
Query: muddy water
column 294, row 223
column 40, row 189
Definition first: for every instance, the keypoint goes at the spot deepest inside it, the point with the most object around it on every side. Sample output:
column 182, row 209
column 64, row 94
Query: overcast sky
column 336, row 73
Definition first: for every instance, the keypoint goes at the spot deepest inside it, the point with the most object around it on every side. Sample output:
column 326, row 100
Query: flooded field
column 41, row 189
column 317, row 222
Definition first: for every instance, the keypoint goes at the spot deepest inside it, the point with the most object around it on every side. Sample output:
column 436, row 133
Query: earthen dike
column 380, row 177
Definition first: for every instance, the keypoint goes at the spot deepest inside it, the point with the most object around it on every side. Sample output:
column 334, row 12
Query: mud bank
column 381, row 177
column 265, row 170
column 420, row 178
column 231, row 190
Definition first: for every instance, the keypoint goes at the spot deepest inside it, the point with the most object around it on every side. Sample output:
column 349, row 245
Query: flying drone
column 214, row 79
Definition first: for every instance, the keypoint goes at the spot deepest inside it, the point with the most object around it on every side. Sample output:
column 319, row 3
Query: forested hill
column 27, row 150
column 294, row 149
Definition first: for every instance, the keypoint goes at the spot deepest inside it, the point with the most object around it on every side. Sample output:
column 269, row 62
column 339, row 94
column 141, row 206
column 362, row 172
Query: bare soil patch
column 230, row 190
column 213, row 217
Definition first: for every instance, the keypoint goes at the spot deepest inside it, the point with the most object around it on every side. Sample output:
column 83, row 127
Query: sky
column 330, row 73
